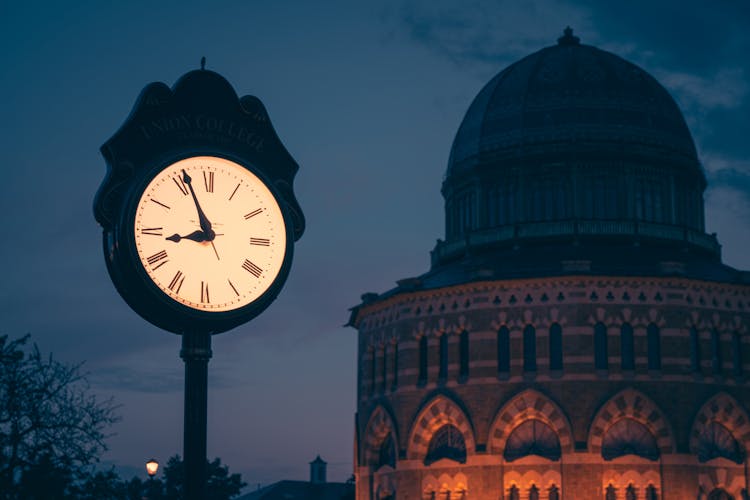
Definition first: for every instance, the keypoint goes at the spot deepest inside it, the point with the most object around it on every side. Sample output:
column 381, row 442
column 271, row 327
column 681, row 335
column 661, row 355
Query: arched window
column 555, row 347
column 532, row 437
column 627, row 350
column 654, row 347
column 554, row 493
column 503, row 351
column 600, row 347
column 513, row 493
column 717, row 441
column 533, row 492
column 629, row 437
column 387, row 452
column 448, row 442
column 651, row 493
column 422, row 379
column 695, row 350
column 630, row 493
column 443, row 373
column 716, row 352
column 463, row 343
column 737, row 354
column 529, row 349
column 610, row 493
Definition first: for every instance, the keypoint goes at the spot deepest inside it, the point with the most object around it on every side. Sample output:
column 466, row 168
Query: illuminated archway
column 721, row 410
column 635, row 405
column 526, row 405
column 438, row 412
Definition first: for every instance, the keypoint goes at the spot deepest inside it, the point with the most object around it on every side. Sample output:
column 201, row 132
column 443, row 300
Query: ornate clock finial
column 203, row 62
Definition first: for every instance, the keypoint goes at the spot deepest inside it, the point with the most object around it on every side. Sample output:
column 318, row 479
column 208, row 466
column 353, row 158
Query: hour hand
column 204, row 222
column 195, row 236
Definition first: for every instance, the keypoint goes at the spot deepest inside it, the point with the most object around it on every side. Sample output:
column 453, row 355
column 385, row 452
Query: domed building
column 577, row 335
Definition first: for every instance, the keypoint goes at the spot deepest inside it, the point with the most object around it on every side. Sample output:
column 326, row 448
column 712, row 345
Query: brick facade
column 579, row 403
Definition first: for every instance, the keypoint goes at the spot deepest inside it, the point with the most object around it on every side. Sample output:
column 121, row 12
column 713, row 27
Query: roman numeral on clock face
column 233, row 192
column 158, row 257
column 176, row 282
column 233, row 288
column 252, row 268
column 153, row 231
column 160, row 203
column 204, row 293
column 208, row 181
column 253, row 213
column 264, row 242
column 180, row 185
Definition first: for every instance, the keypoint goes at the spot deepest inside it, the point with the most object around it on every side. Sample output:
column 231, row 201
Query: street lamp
column 152, row 466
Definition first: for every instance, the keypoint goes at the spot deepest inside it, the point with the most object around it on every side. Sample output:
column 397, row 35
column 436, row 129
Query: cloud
column 123, row 378
column 717, row 164
column 726, row 88
column 727, row 210
column 494, row 33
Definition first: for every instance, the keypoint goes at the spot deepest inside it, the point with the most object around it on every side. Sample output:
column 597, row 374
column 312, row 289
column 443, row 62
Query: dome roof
column 573, row 146
column 572, row 99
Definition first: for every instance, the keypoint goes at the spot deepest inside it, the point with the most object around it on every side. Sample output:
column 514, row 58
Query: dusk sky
column 367, row 98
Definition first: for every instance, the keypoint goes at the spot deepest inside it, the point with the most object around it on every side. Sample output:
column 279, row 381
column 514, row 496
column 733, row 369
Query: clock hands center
column 204, row 222
column 198, row 236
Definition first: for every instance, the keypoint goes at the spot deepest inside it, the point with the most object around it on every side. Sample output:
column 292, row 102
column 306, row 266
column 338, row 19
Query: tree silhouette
column 51, row 427
column 221, row 485
column 52, row 431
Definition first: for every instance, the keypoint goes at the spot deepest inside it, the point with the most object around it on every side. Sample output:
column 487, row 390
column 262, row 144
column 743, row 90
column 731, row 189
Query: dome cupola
column 572, row 144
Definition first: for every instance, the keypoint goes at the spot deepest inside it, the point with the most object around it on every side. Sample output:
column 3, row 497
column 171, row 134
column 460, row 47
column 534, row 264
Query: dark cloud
column 489, row 33
column 124, row 378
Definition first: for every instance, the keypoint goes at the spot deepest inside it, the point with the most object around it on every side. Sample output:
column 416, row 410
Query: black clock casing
column 200, row 116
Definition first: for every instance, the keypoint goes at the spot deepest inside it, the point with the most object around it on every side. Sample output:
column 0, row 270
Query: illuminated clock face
column 210, row 234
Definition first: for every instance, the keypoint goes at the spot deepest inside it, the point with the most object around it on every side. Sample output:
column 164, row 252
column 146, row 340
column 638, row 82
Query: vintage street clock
column 197, row 206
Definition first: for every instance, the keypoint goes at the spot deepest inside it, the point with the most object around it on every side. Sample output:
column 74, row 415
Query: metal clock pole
column 195, row 352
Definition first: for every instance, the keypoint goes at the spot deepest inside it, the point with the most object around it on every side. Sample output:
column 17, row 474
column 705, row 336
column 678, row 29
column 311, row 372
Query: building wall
column 674, row 401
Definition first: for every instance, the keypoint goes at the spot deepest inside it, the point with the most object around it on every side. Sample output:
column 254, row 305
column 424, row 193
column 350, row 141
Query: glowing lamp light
column 152, row 466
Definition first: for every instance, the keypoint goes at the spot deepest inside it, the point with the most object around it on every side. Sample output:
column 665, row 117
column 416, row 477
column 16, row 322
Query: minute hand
column 204, row 222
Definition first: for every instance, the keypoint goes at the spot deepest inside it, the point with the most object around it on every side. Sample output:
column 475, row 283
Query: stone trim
column 630, row 403
column 696, row 295
column 523, row 406
column 726, row 410
column 437, row 412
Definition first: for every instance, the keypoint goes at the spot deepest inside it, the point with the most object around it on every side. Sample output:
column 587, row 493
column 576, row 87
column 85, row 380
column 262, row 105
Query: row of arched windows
column 626, row 436
column 553, row 493
column 631, row 493
column 390, row 363
column 555, row 344
column 550, row 198
column 534, row 437
column 463, row 347
column 627, row 347
column 717, row 361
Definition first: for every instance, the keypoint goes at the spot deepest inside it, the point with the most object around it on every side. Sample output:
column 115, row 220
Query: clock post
column 195, row 352
column 199, row 221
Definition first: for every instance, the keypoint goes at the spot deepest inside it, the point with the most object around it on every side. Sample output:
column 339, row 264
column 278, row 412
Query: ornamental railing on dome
column 506, row 234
